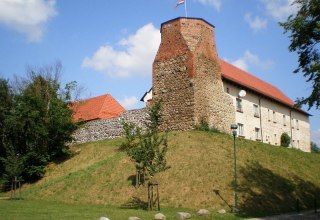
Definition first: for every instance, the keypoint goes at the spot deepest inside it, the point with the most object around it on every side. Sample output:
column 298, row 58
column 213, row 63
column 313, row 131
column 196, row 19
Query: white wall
column 271, row 125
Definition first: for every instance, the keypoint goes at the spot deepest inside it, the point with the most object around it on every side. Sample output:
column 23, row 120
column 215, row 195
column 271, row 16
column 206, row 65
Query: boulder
column 159, row 216
column 203, row 212
column 183, row 215
column 133, row 218
column 222, row 211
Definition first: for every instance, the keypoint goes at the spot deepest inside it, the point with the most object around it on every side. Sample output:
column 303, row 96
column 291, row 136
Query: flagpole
column 185, row 8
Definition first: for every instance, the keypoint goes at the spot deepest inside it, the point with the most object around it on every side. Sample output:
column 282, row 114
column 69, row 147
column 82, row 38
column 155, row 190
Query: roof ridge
column 256, row 84
column 99, row 96
column 104, row 103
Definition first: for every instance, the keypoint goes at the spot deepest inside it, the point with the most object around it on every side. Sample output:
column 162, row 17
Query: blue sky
column 109, row 46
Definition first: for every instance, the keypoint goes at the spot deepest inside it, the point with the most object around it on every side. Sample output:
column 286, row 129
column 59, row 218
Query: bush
column 204, row 126
column 285, row 140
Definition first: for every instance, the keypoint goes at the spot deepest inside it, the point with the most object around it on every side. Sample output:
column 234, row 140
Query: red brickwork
column 187, row 77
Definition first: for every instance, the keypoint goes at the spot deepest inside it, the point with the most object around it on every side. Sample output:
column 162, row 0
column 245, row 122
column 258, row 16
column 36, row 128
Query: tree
column 39, row 123
column 6, row 100
column 304, row 28
column 147, row 148
column 315, row 148
column 285, row 140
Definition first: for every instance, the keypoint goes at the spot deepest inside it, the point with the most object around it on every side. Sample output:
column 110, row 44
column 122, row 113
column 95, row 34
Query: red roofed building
column 195, row 84
column 100, row 107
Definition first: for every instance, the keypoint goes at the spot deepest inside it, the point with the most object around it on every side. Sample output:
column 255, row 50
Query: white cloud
column 280, row 9
column 27, row 16
column 214, row 3
column 255, row 23
column 136, row 59
column 129, row 102
column 252, row 59
column 315, row 136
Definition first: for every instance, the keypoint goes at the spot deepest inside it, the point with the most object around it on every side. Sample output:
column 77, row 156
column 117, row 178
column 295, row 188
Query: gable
column 100, row 107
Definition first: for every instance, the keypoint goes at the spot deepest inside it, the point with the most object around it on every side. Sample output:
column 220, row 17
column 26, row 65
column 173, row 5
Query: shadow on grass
column 135, row 203
column 263, row 192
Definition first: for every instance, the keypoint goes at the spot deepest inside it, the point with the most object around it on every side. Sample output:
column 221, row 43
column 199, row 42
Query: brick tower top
column 182, row 35
column 187, row 77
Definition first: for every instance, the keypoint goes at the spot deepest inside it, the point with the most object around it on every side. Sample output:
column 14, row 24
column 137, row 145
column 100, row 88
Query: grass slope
column 270, row 178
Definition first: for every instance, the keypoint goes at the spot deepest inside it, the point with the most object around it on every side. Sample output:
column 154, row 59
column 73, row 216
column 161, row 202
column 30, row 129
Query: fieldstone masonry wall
column 187, row 77
column 109, row 128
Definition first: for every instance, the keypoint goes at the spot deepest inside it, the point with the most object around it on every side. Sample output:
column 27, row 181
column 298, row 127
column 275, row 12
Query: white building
column 263, row 112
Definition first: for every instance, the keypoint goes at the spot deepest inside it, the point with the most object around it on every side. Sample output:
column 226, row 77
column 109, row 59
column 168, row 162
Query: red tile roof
column 253, row 83
column 100, row 107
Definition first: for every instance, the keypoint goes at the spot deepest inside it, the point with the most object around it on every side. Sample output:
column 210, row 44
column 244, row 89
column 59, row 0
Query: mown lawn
column 30, row 209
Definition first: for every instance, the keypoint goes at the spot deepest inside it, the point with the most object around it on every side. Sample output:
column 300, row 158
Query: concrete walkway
column 310, row 215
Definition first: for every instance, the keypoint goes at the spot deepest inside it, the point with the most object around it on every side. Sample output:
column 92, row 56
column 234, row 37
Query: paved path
column 302, row 216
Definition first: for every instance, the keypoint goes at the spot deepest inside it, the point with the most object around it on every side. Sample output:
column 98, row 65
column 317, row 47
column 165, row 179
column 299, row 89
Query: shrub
column 285, row 140
column 204, row 126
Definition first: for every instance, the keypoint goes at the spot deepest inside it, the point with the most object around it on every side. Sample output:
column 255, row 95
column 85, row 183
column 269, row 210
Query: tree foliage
column 147, row 148
column 304, row 29
column 315, row 148
column 285, row 140
column 36, row 122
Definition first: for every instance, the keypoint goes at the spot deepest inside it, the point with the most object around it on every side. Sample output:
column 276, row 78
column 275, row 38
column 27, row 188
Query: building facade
column 194, row 84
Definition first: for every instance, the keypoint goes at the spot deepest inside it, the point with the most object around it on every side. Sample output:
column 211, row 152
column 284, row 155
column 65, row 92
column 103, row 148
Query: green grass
column 270, row 178
column 28, row 209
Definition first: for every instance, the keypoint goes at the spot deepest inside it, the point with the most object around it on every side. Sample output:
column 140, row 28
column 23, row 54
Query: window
column 256, row 110
column 257, row 132
column 274, row 117
column 284, row 120
column 292, row 123
column 297, row 124
column 239, row 105
column 240, row 130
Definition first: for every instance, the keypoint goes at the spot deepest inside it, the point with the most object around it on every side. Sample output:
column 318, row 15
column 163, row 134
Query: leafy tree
column 147, row 148
column 315, row 148
column 304, row 29
column 6, row 100
column 39, row 122
column 285, row 140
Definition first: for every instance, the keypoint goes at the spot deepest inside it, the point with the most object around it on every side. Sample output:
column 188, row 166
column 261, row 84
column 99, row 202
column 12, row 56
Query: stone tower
column 187, row 77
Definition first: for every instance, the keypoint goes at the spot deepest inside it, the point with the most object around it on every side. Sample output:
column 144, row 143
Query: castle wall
column 109, row 128
column 187, row 77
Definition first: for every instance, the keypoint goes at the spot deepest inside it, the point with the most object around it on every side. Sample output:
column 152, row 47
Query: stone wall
column 187, row 77
column 109, row 128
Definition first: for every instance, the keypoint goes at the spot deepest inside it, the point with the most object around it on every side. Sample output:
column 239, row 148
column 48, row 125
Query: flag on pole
column 180, row 2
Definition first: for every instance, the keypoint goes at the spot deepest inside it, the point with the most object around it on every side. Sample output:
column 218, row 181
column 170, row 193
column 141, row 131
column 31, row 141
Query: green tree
column 39, row 123
column 304, row 29
column 315, row 148
column 285, row 140
column 147, row 148
column 6, row 100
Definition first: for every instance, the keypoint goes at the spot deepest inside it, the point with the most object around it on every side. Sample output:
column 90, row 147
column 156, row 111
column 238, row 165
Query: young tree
column 146, row 147
column 304, row 29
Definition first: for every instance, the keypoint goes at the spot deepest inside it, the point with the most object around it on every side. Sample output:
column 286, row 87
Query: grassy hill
column 270, row 178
